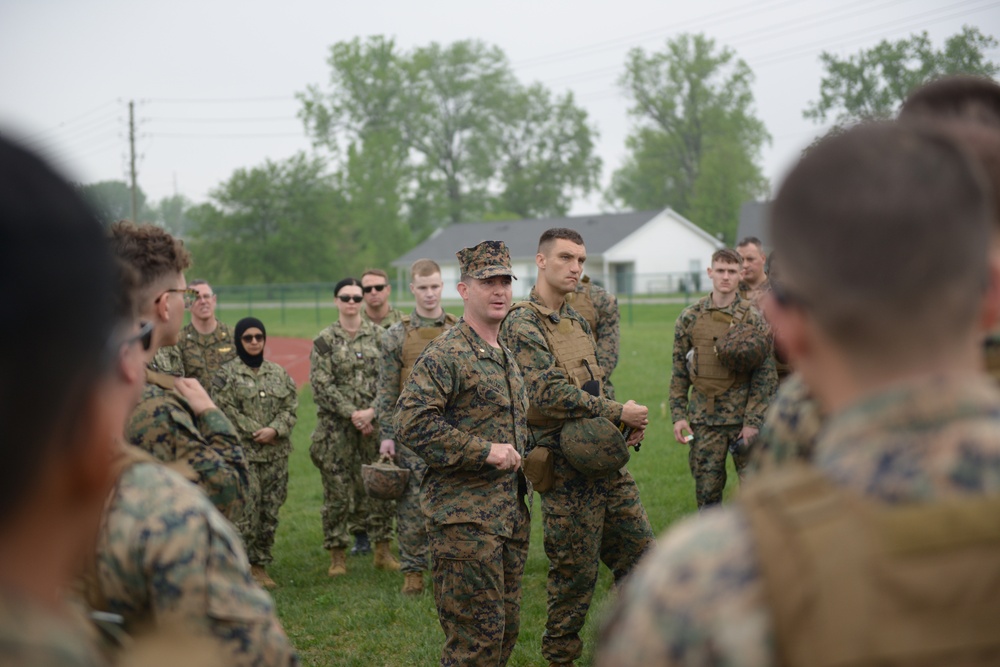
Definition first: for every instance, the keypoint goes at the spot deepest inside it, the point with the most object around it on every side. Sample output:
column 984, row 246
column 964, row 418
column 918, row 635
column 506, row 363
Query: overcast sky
column 214, row 80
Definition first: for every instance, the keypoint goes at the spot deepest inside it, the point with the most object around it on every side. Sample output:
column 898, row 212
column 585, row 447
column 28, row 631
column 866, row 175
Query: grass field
column 362, row 619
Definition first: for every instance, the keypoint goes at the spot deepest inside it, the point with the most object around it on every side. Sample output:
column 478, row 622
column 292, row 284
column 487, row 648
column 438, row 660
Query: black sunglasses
column 377, row 288
column 249, row 338
column 348, row 299
column 143, row 336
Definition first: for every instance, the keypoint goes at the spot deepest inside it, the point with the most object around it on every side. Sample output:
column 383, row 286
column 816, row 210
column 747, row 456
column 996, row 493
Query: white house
column 645, row 252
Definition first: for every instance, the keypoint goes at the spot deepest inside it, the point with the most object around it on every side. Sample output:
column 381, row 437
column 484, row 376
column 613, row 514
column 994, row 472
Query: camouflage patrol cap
column 594, row 446
column 743, row 347
column 486, row 260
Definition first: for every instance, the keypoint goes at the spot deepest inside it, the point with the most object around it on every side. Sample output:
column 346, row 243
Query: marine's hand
column 681, row 430
column 387, row 447
column 749, row 433
column 367, row 429
column 504, row 456
column 265, row 435
column 636, row 437
column 635, row 415
column 195, row 394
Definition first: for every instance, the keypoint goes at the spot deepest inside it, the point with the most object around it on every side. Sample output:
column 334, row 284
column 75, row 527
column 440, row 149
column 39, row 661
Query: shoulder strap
column 162, row 380
column 321, row 345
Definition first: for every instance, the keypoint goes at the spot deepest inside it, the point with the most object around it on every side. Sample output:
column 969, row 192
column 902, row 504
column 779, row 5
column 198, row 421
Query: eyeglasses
column 144, row 336
column 204, row 297
column 249, row 338
column 377, row 288
column 347, row 299
column 189, row 295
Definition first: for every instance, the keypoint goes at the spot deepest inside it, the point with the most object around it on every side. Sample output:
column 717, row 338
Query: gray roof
column 753, row 221
column 600, row 232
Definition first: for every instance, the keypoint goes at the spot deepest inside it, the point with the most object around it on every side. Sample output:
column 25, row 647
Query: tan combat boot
column 413, row 584
column 261, row 577
column 384, row 559
column 338, row 562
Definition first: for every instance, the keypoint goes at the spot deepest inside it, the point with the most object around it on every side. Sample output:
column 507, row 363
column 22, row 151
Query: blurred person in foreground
column 54, row 405
column 260, row 399
column 822, row 565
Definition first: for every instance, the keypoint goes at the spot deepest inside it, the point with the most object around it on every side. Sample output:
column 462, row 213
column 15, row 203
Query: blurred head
column 725, row 271
column 249, row 337
column 204, row 304
column 376, row 288
column 426, row 286
column 347, row 297
column 751, row 251
column 858, row 223
column 560, row 259
column 961, row 97
column 160, row 261
column 54, row 257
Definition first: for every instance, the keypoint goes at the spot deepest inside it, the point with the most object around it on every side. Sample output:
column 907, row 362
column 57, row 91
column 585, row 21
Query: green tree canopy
column 696, row 142
column 112, row 201
column 874, row 82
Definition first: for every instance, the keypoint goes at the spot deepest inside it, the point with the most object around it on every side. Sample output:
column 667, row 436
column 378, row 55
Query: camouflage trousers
column 477, row 590
column 266, row 494
column 586, row 522
column 707, row 461
column 411, row 525
column 339, row 450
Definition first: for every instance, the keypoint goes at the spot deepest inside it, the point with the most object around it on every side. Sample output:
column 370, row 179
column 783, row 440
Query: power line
column 261, row 119
column 64, row 123
column 221, row 100
column 172, row 135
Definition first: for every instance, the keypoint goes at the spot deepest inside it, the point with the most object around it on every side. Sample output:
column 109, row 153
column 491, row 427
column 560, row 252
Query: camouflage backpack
column 384, row 479
column 594, row 446
column 744, row 346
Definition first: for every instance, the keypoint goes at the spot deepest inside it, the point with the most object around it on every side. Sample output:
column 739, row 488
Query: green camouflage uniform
column 254, row 399
column 168, row 360
column 605, row 326
column 166, row 557
column 463, row 395
column 743, row 404
column 699, row 599
column 343, row 372
column 32, row 635
column 586, row 520
column 164, row 425
column 791, row 427
column 410, row 524
column 204, row 354
column 391, row 317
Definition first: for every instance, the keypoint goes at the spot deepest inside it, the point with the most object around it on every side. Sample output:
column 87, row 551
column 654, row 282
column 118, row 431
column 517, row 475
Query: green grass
column 362, row 619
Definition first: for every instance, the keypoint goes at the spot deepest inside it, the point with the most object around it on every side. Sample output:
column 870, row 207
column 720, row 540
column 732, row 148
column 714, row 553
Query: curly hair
column 150, row 250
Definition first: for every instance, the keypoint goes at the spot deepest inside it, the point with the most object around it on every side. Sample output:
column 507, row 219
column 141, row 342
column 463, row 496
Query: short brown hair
column 550, row 235
column 858, row 221
column 750, row 240
column 727, row 255
column 962, row 97
column 375, row 272
column 150, row 250
column 424, row 267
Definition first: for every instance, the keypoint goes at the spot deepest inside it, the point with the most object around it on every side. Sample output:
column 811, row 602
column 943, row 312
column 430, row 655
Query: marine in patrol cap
column 486, row 260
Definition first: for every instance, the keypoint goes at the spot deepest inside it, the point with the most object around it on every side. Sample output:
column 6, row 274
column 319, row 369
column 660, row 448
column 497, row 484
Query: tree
column 470, row 138
column 171, row 213
column 697, row 141
column 112, row 201
column 873, row 83
column 273, row 223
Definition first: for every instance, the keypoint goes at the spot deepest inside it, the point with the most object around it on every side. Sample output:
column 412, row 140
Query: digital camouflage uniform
column 586, row 520
column 410, row 526
column 699, row 599
column 202, row 355
column 167, row 558
column 32, row 635
column 791, row 427
column 716, row 424
column 600, row 308
column 168, row 360
column 390, row 318
column 164, row 425
column 463, row 395
column 343, row 372
column 254, row 399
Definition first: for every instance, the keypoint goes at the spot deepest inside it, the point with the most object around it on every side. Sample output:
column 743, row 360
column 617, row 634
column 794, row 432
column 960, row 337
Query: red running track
column 292, row 354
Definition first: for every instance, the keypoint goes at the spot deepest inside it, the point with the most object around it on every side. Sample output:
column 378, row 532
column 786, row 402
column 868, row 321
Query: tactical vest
column 416, row 341
column 573, row 350
column 851, row 581
column 708, row 374
column 583, row 303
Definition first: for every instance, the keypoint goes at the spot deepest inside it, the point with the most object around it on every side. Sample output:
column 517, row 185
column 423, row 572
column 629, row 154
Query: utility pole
column 131, row 145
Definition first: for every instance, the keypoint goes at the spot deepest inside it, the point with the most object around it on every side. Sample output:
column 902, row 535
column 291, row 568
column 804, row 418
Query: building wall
column 524, row 271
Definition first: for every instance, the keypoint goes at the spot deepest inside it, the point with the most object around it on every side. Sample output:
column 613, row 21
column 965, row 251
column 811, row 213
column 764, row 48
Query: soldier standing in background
column 376, row 288
column 600, row 308
column 261, row 400
column 205, row 343
column 343, row 371
column 588, row 518
column 463, row 411
column 724, row 406
column 753, row 278
column 176, row 420
column 401, row 345
column 822, row 565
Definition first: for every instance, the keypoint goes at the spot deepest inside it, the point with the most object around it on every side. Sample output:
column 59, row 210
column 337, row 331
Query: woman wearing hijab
column 260, row 398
